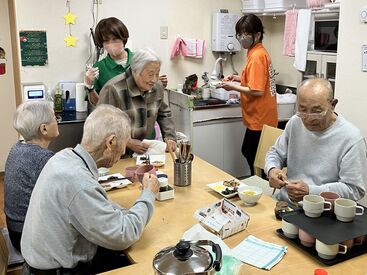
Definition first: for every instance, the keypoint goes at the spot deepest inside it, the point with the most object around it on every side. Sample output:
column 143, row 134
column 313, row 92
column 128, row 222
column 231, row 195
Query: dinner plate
column 219, row 187
column 113, row 181
column 155, row 160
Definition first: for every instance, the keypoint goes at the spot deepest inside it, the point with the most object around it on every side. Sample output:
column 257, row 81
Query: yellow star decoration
column 69, row 18
column 70, row 41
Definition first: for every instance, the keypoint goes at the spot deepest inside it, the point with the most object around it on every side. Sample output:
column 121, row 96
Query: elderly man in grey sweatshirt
column 321, row 150
column 70, row 215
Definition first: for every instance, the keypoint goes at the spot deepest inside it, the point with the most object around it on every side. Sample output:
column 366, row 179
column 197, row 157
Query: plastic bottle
column 50, row 98
column 58, row 100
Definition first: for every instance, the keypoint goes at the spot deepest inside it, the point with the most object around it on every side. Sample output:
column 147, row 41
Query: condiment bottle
column 58, row 100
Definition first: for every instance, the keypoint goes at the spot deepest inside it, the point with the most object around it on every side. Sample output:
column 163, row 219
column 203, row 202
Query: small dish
column 250, row 194
column 221, row 187
column 103, row 171
column 155, row 160
column 113, row 181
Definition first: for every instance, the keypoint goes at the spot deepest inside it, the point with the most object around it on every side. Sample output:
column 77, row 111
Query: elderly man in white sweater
column 322, row 150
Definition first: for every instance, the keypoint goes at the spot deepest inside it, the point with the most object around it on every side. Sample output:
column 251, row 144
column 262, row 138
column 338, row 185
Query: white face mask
column 114, row 48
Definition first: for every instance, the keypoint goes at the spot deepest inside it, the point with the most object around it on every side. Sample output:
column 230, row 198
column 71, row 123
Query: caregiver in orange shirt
column 258, row 93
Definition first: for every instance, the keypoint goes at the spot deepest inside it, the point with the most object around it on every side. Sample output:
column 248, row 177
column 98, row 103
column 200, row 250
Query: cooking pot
column 188, row 257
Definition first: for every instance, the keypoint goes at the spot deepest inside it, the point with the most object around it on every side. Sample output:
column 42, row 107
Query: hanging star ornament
column 70, row 41
column 69, row 18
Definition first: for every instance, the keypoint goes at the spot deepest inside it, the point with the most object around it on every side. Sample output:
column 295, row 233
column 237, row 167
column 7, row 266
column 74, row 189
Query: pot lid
column 182, row 258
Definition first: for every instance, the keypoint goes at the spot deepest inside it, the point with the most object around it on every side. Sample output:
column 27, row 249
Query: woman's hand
column 232, row 77
column 229, row 86
column 137, row 146
column 90, row 75
column 171, row 144
column 163, row 78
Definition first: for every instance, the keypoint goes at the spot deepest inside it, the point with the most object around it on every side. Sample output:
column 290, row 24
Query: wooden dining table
column 171, row 218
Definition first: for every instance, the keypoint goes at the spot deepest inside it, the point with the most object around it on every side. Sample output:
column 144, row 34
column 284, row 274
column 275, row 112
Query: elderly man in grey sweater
column 70, row 215
column 321, row 150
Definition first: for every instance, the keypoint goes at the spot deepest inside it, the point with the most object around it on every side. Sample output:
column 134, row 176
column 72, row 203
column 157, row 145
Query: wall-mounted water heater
column 223, row 32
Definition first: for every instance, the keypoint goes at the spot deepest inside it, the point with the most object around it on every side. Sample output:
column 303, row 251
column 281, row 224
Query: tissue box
column 223, row 218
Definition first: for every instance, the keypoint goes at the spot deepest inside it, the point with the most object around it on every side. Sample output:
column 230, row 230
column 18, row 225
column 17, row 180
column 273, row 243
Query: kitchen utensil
column 188, row 257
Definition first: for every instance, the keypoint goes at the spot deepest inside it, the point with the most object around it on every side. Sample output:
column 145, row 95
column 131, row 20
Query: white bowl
column 102, row 171
column 249, row 194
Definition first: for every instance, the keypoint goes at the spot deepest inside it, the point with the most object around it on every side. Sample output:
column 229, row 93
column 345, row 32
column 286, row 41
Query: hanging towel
column 302, row 34
column 177, row 47
column 290, row 32
column 193, row 48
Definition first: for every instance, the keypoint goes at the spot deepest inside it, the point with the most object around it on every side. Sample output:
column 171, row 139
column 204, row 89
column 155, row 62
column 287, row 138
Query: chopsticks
column 170, row 150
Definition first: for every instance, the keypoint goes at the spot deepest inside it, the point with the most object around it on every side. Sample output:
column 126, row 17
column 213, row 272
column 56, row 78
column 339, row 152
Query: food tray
column 355, row 251
column 155, row 160
column 219, row 187
column 327, row 228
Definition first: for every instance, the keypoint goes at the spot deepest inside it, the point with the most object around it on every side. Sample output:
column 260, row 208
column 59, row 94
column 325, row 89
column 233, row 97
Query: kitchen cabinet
column 216, row 132
column 320, row 64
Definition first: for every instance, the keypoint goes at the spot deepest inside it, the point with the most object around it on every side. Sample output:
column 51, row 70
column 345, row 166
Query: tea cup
column 314, row 205
column 360, row 240
column 329, row 251
column 349, row 244
column 130, row 172
column 144, row 169
column 330, row 197
column 346, row 209
column 305, row 238
column 289, row 229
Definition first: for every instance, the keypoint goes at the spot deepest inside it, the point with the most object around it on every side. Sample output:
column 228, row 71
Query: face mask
column 247, row 41
column 114, row 48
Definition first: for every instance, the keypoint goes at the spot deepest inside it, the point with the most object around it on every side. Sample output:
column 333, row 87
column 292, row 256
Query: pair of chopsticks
column 170, row 151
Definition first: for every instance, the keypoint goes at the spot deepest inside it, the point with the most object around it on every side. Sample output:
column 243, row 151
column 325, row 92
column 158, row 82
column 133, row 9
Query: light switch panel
column 364, row 58
column 164, row 32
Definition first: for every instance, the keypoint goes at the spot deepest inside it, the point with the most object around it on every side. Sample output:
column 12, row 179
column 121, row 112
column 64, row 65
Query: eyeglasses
column 303, row 115
column 242, row 36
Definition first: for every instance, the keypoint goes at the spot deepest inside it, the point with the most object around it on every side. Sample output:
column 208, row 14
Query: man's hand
column 171, row 144
column 277, row 178
column 297, row 189
column 163, row 78
column 137, row 146
column 151, row 183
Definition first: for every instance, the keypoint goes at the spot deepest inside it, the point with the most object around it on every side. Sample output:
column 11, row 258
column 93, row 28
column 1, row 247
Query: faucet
column 214, row 74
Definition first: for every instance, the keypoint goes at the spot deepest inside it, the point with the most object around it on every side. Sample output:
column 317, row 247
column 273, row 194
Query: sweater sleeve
column 106, row 225
column 164, row 118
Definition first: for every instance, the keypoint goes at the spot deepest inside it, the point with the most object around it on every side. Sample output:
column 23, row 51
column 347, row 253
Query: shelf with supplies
column 320, row 64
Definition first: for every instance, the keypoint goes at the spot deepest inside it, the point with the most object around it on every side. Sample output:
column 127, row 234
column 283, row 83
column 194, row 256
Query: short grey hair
column 141, row 58
column 104, row 121
column 319, row 82
column 30, row 115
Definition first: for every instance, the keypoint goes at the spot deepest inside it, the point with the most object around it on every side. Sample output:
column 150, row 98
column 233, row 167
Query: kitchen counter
column 71, row 117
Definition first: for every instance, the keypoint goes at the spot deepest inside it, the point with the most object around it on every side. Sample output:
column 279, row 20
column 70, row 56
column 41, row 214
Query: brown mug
column 130, row 173
column 330, row 197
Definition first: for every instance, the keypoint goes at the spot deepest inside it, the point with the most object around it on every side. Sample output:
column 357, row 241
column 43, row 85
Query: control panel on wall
column 224, row 34
column 34, row 91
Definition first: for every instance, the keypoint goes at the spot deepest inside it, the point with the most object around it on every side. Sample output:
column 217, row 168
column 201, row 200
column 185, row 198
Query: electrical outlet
column 164, row 32
column 98, row 2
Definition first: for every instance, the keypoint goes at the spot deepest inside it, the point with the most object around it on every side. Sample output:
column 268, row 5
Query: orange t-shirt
column 258, row 74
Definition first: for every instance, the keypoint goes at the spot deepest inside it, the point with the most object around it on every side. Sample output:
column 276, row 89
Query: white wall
column 351, row 84
column 189, row 18
column 7, row 102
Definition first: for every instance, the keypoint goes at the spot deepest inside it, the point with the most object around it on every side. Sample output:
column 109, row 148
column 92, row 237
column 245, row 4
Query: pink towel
column 290, row 32
column 177, row 47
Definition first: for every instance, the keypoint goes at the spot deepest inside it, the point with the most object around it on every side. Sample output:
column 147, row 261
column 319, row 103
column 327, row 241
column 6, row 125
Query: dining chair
column 268, row 137
column 16, row 267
